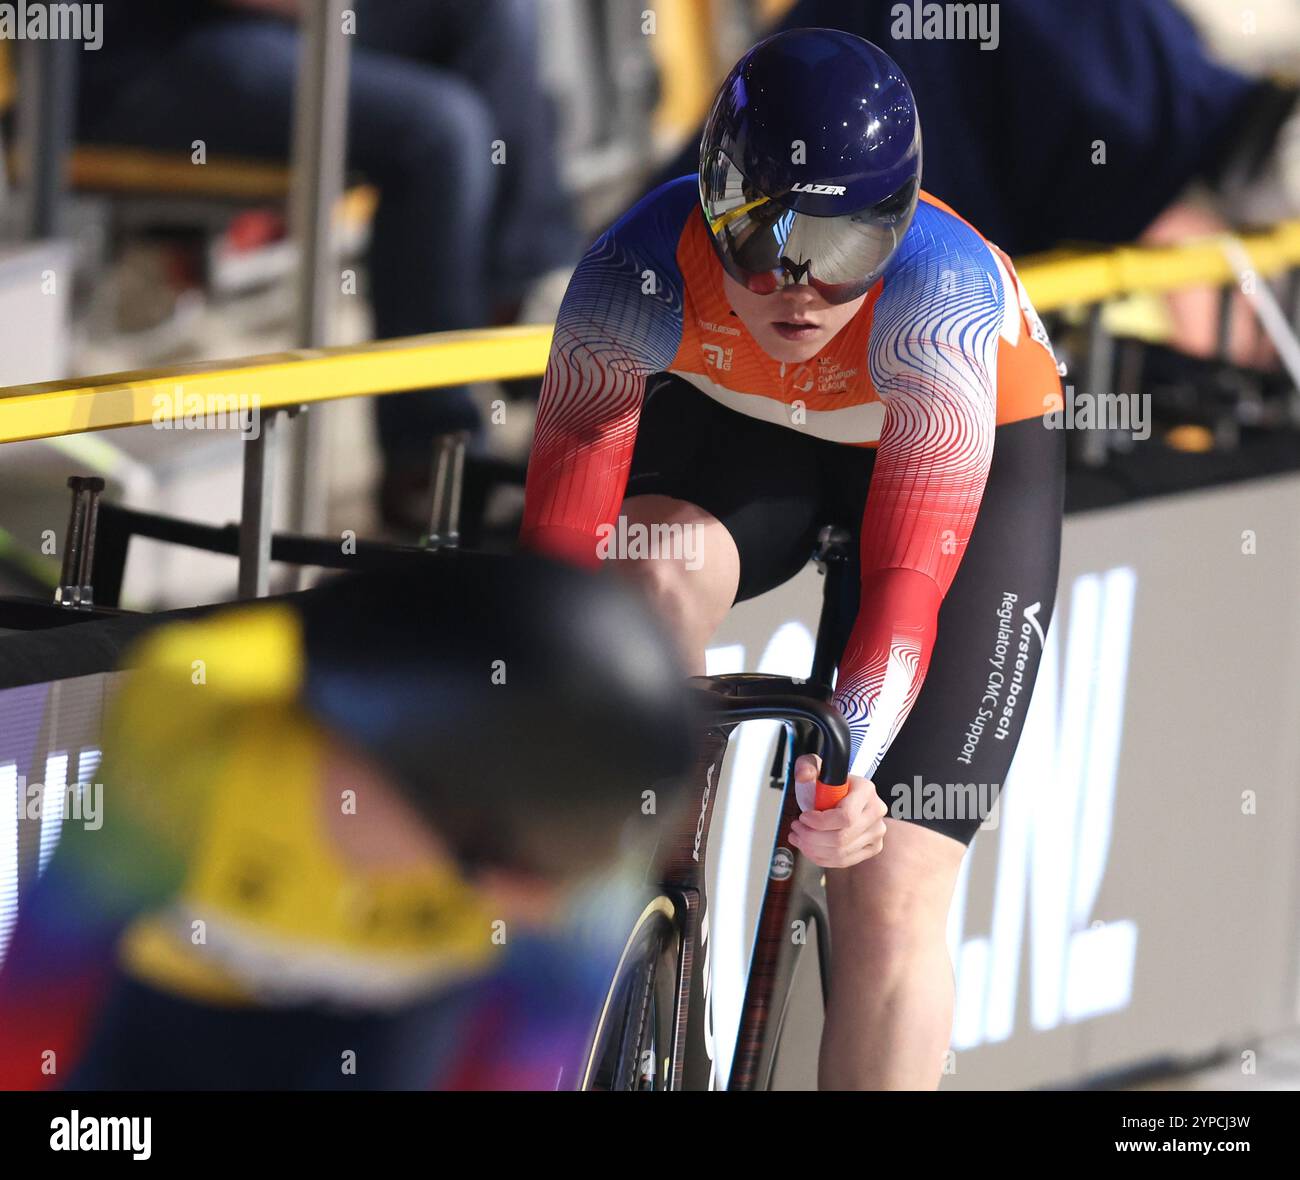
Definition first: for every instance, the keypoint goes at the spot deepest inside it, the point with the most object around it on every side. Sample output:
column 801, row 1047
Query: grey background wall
column 1132, row 904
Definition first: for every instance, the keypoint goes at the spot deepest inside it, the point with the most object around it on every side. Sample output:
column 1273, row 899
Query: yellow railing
column 293, row 378
column 1061, row 279
column 55, row 408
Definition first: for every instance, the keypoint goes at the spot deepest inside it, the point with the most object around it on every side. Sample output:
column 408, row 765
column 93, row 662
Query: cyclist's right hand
column 850, row 832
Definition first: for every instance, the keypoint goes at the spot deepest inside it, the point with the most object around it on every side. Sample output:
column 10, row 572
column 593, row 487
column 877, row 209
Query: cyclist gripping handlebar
column 798, row 336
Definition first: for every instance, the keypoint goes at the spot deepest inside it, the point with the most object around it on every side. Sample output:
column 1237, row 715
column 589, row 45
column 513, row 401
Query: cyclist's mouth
column 795, row 330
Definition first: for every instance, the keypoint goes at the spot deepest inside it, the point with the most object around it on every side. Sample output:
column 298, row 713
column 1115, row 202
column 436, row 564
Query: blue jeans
column 432, row 85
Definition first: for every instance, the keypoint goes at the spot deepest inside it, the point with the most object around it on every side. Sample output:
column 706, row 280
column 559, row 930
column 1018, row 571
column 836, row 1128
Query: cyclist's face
column 391, row 839
column 792, row 324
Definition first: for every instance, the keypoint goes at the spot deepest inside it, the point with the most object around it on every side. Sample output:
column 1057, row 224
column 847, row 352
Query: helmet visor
column 765, row 246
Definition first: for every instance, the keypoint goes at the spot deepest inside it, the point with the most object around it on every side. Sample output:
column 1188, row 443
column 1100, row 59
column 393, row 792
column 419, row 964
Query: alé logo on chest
column 718, row 356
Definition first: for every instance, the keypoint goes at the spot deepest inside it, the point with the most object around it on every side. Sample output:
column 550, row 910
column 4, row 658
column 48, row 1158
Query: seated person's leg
column 494, row 46
column 424, row 137
column 228, row 83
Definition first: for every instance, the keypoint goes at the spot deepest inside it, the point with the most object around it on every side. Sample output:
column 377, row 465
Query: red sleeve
column 620, row 321
column 582, row 451
column 933, row 358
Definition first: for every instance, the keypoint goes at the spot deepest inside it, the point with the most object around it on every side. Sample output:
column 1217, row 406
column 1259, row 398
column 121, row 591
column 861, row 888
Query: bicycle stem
column 829, row 722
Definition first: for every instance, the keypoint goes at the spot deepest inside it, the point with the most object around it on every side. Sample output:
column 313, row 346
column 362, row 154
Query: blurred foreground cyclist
column 336, row 832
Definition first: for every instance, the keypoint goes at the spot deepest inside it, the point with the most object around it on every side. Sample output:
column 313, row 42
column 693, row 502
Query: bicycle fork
column 692, row 1052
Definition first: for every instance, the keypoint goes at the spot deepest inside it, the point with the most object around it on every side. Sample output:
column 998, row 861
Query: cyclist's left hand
column 851, row 831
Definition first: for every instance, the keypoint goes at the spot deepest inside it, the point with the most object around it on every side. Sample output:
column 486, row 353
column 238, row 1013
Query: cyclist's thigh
column 758, row 479
column 970, row 711
column 690, row 551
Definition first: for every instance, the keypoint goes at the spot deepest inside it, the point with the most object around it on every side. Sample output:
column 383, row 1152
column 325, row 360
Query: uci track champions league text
column 53, row 22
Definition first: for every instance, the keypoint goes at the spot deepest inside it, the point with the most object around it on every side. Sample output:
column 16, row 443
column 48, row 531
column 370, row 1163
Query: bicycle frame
column 794, row 889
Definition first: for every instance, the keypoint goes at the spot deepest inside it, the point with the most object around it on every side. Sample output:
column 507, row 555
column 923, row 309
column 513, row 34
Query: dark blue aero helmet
column 810, row 164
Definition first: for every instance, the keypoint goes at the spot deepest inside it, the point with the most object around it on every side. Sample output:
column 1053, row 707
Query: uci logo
column 828, row 190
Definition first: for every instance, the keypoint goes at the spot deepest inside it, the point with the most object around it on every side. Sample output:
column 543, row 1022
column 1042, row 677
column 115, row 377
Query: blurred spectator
column 1049, row 137
column 457, row 238
column 1254, row 36
column 1261, row 38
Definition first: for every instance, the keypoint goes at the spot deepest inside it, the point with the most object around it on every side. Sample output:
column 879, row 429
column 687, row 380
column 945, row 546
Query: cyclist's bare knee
column 685, row 562
column 896, row 905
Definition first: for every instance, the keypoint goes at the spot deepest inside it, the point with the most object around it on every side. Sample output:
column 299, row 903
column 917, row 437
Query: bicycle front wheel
column 632, row 1045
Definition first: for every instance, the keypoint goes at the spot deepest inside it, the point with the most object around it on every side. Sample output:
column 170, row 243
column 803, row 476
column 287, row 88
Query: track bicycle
column 654, row 1029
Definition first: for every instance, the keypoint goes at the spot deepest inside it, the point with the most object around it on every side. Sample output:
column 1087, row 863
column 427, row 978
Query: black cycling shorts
column 774, row 489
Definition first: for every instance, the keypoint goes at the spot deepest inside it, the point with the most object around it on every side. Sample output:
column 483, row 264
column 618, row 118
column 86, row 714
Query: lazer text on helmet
column 829, row 190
